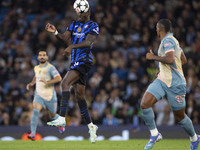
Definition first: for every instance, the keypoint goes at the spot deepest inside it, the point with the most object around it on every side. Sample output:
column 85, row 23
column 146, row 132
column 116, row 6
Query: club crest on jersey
column 79, row 29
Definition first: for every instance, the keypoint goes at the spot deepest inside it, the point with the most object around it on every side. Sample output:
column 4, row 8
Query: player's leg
column 154, row 93
column 80, row 97
column 71, row 77
column 177, row 103
column 55, row 116
column 34, row 119
column 147, row 102
column 52, row 108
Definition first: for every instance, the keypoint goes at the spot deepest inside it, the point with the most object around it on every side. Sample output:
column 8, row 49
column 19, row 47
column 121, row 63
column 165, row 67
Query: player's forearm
column 55, row 80
column 61, row 37
column 167, row 60
column 33, row 81
column 183, row 58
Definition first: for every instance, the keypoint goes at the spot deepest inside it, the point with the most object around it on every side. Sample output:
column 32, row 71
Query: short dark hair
column 165, row 24
column 42, row 50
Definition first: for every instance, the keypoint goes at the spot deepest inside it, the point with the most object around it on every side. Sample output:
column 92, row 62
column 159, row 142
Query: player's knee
column 144, row 105
column 80, row 95
column 65, row 86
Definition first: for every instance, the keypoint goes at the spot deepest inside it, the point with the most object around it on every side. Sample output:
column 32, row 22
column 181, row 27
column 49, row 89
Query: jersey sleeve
column 94, row 30
column 168, row 45
column 70, row 28
column 53, row 71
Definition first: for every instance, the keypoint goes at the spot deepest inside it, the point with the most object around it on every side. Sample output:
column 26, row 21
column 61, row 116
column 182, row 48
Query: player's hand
column 44, row 81
column 150, row 55
column 68, row 50
column 28, row 86
column 50, row 28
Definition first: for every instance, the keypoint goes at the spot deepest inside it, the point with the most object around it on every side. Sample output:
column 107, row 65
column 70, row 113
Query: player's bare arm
column 183, row 58
column 168, row 59
column 86, row 43
column 32, row 83
column 65, row 37
column 56, row 79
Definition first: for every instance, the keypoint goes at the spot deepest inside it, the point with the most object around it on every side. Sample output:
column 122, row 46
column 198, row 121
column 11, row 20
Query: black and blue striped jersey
column 79, row 32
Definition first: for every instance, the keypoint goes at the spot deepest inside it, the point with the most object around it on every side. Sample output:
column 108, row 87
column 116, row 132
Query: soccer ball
column 81, row 6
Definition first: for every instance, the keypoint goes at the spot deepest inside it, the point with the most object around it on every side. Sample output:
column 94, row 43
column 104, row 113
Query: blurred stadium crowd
column 120, row 74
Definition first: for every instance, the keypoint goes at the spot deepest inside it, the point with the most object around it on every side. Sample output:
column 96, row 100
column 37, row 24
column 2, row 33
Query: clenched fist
column 50, row 28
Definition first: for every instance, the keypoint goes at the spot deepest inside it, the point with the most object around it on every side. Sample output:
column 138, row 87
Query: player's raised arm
column 32, row 83
column 63, row 37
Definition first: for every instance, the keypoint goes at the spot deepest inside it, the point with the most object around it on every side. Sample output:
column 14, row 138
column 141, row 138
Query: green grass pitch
column 99, row 145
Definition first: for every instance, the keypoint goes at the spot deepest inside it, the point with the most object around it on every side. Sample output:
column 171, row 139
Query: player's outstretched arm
column 63, row 37
column 86, row 43
column 31, row 83
column 168, row 59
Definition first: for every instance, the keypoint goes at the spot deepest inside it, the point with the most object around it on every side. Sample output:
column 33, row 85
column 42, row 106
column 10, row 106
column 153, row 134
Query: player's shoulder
column 94, row 23
column 50, row 66
column 36, row 67
column 169, row 39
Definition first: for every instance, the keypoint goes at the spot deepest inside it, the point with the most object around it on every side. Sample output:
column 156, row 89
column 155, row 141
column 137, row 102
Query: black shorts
column 83, row 68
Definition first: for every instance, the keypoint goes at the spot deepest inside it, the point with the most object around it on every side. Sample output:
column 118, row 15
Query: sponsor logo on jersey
column 79, row 29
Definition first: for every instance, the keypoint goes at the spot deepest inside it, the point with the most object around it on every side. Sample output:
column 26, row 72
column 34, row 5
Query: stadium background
column 120, row 74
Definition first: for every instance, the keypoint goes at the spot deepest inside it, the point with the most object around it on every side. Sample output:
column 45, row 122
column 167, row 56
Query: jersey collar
column 169, row 34
column 44, row 65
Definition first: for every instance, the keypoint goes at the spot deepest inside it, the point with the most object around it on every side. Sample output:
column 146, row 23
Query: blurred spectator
column 109, row 119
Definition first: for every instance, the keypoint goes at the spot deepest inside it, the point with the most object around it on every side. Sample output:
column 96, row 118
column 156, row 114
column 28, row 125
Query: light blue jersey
column 46, row 72
column 45, row 94
column 171, row 75
column 170, row 82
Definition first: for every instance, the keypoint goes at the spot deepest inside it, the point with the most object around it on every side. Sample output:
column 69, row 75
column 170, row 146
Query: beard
column 42, row 61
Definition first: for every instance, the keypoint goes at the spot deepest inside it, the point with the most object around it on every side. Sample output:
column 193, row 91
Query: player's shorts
column 49, row 105
column 175, row 95
column 83, row 68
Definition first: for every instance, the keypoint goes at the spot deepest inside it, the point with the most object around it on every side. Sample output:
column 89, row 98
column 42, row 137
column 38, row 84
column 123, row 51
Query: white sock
column 90, row 124
column 154, row 132
column 194, row 138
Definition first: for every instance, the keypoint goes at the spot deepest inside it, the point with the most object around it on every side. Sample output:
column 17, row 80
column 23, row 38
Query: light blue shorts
column 49, row 105
column 175, row 94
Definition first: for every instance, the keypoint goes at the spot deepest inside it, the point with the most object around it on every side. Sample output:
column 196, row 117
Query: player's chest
column 161, row 50
column 42, row 73
column 80, row 31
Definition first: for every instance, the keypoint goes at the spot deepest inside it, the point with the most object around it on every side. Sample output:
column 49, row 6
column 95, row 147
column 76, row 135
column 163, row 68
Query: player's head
column 84, row 16
column 82, row 9
column 163, row 26
column 42, row 56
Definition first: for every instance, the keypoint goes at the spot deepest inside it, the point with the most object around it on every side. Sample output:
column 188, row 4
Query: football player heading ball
column 80, row 36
